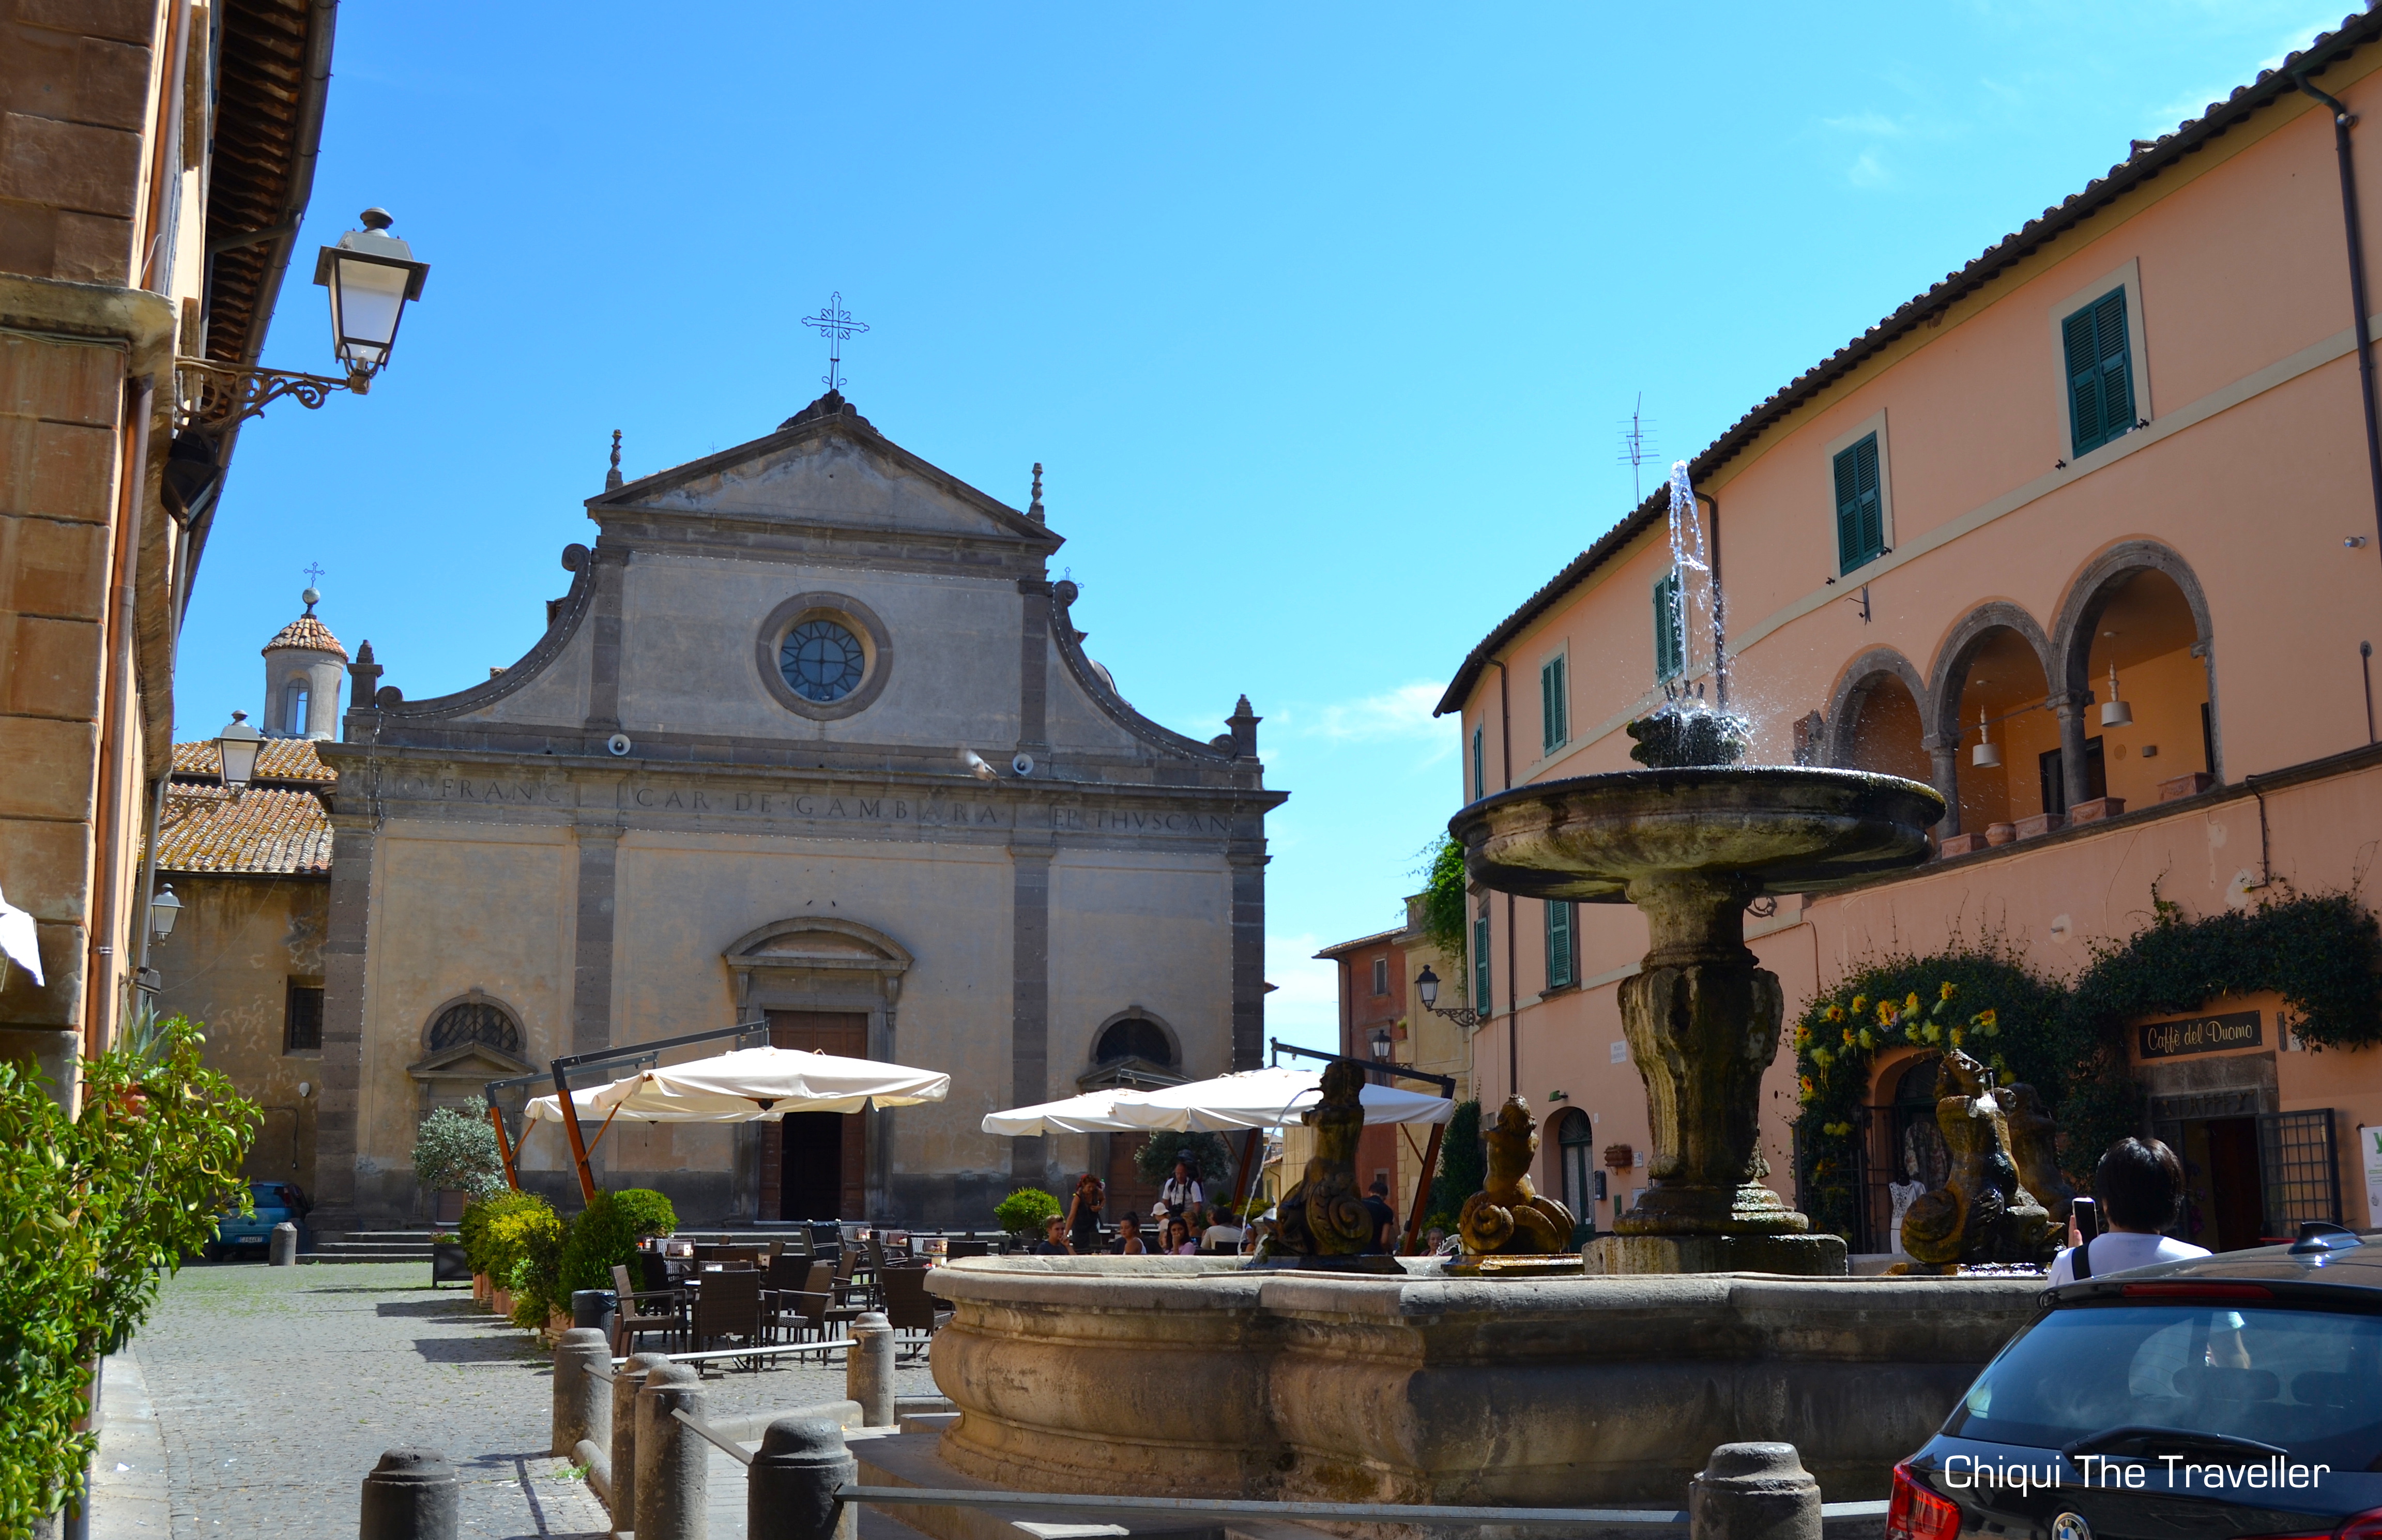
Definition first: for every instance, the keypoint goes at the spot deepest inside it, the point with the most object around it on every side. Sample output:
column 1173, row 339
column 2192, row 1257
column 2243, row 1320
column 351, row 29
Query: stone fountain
column 1692, row 839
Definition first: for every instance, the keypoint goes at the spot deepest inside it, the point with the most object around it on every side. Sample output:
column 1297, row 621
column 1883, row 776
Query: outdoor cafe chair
column 655, row 1269
column 908, row 1306
column 728, row 1305
column 634, row 1319
column 959, row 1249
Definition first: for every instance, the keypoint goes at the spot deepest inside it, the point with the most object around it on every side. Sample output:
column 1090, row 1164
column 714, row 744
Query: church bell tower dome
column 303, row 666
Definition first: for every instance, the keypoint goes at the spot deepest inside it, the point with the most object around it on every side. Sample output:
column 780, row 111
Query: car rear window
column 2307, row 1380
column 267, row 1194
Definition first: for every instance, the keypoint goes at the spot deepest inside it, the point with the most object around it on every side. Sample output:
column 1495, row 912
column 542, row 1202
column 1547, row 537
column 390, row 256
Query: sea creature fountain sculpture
column 1322, row 1223
column 1984, row 1212
column 1690, row 840
column 1507, row 1216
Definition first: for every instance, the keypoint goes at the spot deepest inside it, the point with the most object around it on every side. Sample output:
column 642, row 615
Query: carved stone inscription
column 817, row 807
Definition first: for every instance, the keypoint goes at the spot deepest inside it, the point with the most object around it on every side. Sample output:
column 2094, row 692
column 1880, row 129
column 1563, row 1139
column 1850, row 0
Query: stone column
column 1029, row 1029
column 1948, row 781
column 2075, row 771
column 347, row 931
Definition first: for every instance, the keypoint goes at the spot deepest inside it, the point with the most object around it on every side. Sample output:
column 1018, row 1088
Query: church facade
column 812, row 740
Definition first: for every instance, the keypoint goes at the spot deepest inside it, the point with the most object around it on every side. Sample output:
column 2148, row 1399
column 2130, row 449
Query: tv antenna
column 1637, row 447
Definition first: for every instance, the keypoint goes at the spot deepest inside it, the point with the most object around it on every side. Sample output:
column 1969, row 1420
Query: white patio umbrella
column 750, row 1085
column 1092, row 1113
column 1266, row 1099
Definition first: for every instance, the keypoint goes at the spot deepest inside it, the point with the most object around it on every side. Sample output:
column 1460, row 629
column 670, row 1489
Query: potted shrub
column 455, row 1154
column 1022, row 1213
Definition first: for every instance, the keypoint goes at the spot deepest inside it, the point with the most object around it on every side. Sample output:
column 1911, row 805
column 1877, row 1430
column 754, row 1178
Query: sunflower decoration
column 1806, row 1090
column 1835, row 1013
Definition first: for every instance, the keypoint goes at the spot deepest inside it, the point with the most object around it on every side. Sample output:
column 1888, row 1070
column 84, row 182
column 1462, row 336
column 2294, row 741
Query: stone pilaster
column 1249, row 955
column 1029, row 1029
column 605, row 637
column 1034, row 669
column 1947, row 757
column 345, row 974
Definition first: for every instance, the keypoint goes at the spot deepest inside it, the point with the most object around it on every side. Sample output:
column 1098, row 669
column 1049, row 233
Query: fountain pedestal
column 1690, row 846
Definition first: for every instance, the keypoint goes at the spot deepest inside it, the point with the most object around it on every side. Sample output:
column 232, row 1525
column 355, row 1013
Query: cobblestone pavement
column 275, row 1389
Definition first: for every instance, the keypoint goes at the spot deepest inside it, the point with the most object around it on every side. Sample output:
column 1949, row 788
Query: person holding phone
column 2140, row 1187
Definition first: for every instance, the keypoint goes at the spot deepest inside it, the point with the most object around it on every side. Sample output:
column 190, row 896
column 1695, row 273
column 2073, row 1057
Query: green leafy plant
column 1463, row 1165
column 605, row 1236
column 480, row 1244
column 97, row 1210
column 454, row 1153
column 1025, row 1211
column 1443, row 919
column 1211, row 1158
column 2322, row 953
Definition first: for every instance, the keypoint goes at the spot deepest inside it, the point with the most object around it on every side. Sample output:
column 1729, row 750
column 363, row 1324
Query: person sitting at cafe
column 1129, row 1242
column 1054, row 1239
column 1221, row 1235
column 1179, row 1241
column 1181, row 1192
column 1385, row 1218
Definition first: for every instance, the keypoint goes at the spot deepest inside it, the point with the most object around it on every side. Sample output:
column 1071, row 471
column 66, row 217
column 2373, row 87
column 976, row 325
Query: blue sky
column 1323, row 319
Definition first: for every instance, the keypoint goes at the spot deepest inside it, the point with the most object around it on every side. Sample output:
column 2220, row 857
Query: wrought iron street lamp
column 1380, row 1042
column 236, row 750
column 1427, row 988
column 370, row 275
column 163, row 910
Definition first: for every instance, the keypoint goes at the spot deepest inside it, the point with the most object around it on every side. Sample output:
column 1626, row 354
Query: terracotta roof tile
column 263, row 831
column 309, row 632
column 290, row 759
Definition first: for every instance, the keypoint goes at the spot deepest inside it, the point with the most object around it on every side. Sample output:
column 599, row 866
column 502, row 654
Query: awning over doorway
column 1092, row 1113
column 748, row 1086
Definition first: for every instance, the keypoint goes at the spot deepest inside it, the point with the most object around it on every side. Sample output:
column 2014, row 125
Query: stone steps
column 370, row 1246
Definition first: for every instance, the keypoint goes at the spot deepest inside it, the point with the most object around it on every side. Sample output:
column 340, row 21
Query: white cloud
column 1392, row 716
column 1874, row 124
column 1867, row 170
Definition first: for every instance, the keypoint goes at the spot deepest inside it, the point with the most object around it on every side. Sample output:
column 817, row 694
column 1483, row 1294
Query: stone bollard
column 1753, row 1492
column 673, row 1460
column 790, row 1488
column 868, row 1369
column 410, row 1496
column 581, row 1396
column 627, row 1380
column 285, row 1244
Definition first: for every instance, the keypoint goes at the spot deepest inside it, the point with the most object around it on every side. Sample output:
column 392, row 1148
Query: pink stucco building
column 2130, row 442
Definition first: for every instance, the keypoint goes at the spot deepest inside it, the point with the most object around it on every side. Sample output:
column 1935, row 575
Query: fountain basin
column 1766, row 827
column 1195, row 1376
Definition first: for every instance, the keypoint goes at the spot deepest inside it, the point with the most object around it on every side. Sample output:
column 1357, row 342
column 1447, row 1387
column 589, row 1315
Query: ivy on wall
column 2322, row 953
column 1444, row 922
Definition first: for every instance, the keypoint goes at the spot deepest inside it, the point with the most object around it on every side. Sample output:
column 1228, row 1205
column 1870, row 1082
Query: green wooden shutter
column 1670, row 642
column 2100, row 372
column 1480, row 975
column 1553, row 730
column 1559, row 945
column 1860, row 505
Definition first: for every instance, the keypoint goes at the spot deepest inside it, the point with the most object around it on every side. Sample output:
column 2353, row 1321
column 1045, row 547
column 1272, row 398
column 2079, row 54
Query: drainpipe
column 2341, row 120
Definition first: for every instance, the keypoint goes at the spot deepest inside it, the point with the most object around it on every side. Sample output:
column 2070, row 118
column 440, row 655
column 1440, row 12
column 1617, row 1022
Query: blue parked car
column 275, row 1202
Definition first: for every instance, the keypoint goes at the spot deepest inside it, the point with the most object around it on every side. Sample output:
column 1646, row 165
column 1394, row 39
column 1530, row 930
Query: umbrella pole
column 497, row 1117
column 1422, row 1189
column 1241, row 1179
column 577, row 1139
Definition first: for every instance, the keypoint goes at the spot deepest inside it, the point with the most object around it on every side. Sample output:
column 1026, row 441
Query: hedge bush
column 605, row 1236
column 1025, row 1211
column 486, row 1250
column 454, row 1153
column 97, row 1208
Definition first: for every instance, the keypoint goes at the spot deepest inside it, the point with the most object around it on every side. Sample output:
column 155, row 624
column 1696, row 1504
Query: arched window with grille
column 1135, row 1038
column 476, row 1020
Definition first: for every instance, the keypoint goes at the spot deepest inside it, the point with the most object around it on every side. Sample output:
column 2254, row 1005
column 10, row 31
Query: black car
column 2228, row 1396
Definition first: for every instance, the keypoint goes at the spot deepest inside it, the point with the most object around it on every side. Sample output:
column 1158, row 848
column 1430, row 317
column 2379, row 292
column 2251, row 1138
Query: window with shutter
column 1554, row 729
column 1670, row 628
column 1480, row 976
column 2100, row 373
column 1562, row 969
column 1861, row 505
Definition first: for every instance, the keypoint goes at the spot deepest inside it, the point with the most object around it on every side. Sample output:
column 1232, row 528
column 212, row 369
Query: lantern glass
column 236, row 746
column 370, row 275
column 163, row 910
column 1427, row 986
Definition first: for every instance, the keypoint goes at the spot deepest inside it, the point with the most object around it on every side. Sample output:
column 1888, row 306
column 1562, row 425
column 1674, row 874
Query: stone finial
column 363, row 675
column 1243, row 723
column 612, row 477
column 1034, row 508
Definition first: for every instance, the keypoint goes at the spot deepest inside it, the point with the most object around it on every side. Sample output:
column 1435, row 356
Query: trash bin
column 593, row 1306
